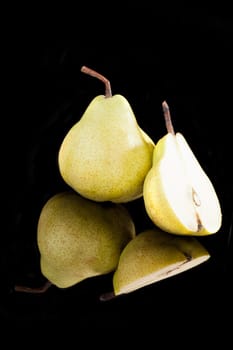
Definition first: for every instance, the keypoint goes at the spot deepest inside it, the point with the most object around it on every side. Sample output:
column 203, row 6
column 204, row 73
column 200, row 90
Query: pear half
column 154, row 255
column 178, row 195
column 105, row 156
column 78, row 238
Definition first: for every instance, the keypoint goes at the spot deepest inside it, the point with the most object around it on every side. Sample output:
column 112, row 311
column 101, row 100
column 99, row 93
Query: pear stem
column 93, row 73
column 167, row 117
column 107, row 296
column 34, row 290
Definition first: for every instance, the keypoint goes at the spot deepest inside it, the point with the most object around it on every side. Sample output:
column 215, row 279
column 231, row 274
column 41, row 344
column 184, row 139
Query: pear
column 79, row 238
column 178, row 195
column 105, row 156
column 154, row 255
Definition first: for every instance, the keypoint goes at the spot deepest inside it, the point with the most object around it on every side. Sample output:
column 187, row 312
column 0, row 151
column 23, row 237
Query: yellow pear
column 79, row 238
column 154, row 255
column 105, row 156
column 178, row 195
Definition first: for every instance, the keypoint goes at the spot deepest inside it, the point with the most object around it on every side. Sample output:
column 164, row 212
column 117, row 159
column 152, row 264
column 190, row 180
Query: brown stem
column 107, row 296
column 93, row 73
column 34, row 290
column 167, row 117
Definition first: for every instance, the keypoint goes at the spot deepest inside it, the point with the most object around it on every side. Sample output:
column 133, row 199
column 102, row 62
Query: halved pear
column 178, row 195
column 154, row 255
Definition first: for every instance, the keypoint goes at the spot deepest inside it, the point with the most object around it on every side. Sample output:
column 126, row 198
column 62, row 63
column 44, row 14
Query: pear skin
column 79, row 238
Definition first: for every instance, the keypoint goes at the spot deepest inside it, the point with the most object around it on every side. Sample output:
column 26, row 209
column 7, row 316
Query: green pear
column 154, row 255
column 79, row 238
column 105, row 156
column 178, row 195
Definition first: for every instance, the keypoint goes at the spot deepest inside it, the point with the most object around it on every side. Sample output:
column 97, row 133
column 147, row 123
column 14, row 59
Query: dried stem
column 107, row 296
column 167, row 117
column 93, row 73
column 34, row 290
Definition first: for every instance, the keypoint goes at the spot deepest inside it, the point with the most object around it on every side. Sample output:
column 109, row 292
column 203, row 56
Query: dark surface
column 184, row 57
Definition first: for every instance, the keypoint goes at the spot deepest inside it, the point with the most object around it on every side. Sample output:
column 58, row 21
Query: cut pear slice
column 154, row 255
column 204, row 197
column 178, row 195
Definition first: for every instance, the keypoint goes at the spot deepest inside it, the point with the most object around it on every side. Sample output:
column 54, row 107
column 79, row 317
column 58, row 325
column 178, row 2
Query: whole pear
column 154, row 255
column 79, row 238
column 105, row 156
column 179, row 197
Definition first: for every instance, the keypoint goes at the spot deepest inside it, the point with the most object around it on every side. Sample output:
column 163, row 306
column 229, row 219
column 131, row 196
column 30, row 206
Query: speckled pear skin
column 79, row 238
column 154, row 255
column 105, row 156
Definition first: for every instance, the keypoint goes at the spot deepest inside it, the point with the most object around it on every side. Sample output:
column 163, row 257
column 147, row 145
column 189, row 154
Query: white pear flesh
column 154, row 255
column 78, row 238
column 105, row 156
column 178, row 195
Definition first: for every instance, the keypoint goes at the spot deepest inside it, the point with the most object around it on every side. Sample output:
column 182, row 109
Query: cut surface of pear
column 105, row 156
column 154, row 255
column 79, row 238
column 178, row 195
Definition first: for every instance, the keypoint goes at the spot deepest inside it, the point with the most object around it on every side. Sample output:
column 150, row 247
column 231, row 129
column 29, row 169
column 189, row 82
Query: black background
column 182, row 55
